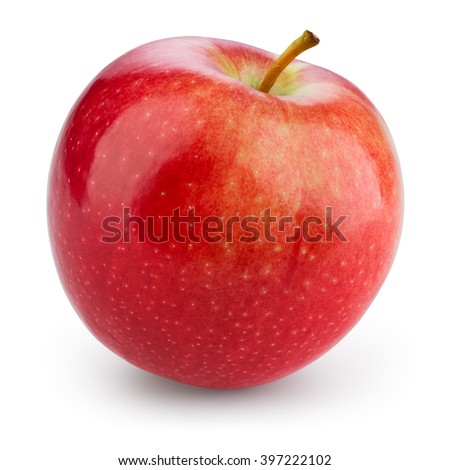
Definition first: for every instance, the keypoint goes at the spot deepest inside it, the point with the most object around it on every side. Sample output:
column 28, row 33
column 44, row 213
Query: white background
column 379, row 400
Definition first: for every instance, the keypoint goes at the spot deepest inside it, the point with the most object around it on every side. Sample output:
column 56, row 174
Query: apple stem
column 304, row 42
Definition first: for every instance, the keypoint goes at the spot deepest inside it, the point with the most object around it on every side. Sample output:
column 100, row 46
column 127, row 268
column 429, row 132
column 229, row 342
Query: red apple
column 186, row 124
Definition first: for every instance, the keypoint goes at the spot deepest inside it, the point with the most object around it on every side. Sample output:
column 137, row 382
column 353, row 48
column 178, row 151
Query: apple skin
column 174, row 123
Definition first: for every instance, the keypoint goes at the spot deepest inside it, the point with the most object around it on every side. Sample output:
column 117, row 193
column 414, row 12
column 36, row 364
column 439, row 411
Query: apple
column 176, row 138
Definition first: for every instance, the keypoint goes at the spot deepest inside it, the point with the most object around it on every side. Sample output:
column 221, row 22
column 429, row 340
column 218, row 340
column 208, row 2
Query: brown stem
column 304, row 42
